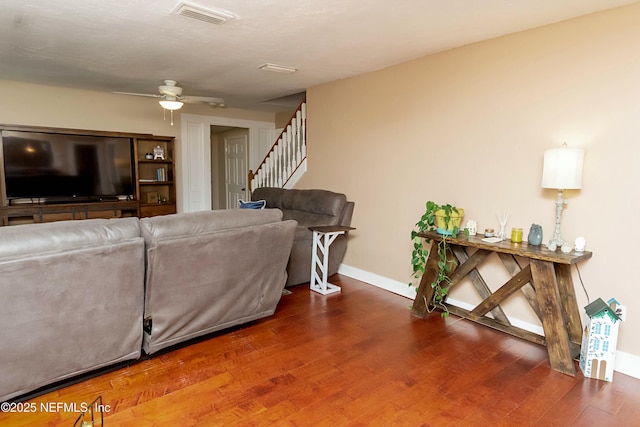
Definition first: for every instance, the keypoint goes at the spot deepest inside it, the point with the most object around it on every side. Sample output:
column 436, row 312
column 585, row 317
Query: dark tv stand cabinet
column 154, row 184
column 67, row 211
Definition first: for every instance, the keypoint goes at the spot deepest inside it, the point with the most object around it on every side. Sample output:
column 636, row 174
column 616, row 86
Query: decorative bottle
column 535, row 235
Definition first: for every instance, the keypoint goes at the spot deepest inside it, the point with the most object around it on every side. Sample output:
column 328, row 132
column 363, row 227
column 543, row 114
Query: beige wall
column 469, row 126
column 37, row 105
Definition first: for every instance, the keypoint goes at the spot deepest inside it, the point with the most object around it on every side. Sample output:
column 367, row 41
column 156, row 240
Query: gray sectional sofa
column 76, row 296
column 308, row 208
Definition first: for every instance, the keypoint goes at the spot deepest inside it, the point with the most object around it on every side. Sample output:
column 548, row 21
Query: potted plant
column 448, row 219
column 445, row 220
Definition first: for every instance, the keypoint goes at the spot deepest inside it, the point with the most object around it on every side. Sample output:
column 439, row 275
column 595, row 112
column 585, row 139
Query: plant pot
column 455, row 219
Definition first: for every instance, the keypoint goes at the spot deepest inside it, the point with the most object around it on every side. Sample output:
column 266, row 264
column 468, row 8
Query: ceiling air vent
column 200, row 13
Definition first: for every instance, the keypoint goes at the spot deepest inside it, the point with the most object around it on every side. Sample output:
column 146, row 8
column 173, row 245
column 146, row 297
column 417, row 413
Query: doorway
column 229, row 148
column 197, row 173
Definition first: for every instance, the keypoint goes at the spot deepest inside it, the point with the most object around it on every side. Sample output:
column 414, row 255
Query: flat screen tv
column 61, row 168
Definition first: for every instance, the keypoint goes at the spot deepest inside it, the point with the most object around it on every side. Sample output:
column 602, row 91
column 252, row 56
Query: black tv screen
column 59, row 166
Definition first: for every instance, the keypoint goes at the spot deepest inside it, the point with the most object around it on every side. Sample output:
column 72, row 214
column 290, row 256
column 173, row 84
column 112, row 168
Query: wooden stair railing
column 285, row 156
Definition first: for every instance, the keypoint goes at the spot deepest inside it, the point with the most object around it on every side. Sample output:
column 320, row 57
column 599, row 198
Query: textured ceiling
column 132, row 45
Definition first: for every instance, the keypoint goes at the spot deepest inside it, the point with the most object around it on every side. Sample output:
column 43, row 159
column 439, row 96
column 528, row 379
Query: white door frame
column 193, row 157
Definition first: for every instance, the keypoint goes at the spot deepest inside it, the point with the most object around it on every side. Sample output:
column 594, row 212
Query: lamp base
column 558, row 241
column 555, row 244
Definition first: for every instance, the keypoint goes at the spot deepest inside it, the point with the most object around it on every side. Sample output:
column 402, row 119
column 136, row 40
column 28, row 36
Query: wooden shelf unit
column 156, row 193
column 139, row 205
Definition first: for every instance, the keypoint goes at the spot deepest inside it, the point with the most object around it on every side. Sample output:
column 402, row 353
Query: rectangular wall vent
column 200, row 13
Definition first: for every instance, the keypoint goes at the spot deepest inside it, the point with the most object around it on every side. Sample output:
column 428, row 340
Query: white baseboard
column 626, row 363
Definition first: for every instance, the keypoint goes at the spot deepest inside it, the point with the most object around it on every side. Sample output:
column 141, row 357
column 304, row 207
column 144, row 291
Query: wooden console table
column 545, row 282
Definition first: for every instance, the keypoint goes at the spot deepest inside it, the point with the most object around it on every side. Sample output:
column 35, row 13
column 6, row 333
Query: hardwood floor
column 352, row 359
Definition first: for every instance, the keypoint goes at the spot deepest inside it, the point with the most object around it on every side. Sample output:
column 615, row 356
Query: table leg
column 425, row 291
column 552, row 316
column 568, row 300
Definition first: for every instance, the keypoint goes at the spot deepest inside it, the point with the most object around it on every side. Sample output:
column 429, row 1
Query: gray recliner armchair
column 309, row 208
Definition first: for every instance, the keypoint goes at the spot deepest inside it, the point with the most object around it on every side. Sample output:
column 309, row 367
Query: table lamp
column 562, row 170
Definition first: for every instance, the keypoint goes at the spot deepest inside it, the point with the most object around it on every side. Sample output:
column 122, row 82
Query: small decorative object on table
column 535, row 235
column 472, row 227
column 503, row 218
column 516, row 235
column 158, row 153
column 580, row 244
column 148, row 156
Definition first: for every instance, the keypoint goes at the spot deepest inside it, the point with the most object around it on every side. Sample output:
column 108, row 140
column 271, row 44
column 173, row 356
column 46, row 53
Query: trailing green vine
column 420, row 253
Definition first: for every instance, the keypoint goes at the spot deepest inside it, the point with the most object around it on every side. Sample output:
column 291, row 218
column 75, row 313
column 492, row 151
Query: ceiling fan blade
column 151, row 95
column 203, row 99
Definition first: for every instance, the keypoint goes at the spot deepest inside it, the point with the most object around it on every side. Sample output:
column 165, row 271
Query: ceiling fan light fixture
column 277, row 68
column 171, row 105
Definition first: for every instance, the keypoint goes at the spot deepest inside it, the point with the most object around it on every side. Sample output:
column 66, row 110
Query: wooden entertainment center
column 153, row 186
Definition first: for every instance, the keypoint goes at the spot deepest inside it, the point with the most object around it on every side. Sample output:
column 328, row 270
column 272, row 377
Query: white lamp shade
column 563, row 168
column 171, row 105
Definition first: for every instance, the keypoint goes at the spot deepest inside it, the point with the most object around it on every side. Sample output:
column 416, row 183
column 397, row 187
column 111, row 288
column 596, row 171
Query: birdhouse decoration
column 597, row 355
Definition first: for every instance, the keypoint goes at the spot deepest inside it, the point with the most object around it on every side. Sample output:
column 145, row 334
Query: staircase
column 287, row 160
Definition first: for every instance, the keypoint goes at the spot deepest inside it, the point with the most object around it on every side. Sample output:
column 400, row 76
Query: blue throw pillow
column 260, row 204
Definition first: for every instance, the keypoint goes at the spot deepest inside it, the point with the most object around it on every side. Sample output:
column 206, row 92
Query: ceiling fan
column 172, row 99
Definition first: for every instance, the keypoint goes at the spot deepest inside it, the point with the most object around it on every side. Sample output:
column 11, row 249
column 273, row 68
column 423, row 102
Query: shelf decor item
column 158, row 153
column 161, row 174
column 150, row 197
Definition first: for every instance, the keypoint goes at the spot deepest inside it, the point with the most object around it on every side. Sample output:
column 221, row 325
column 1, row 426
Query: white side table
column 323, row 236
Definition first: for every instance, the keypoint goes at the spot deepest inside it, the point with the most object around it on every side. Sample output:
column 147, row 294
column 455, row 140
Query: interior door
column 236, row 171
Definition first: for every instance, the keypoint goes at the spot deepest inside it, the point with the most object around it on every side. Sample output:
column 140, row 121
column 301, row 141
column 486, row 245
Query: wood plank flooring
column 351, row 359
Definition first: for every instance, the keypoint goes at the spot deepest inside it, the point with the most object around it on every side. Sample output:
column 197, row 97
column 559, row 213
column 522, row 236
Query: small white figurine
column 158, row 153
column 580, row 244
column 566, row 248
column 472, row 226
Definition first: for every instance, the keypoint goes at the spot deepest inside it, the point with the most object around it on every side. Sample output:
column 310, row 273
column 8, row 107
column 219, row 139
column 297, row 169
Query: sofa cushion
column 72, row 300
column 272, row 195
column 193, row 223
column 308, row 207
column 215, row 270
column 320, row 202
column 33, row 239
